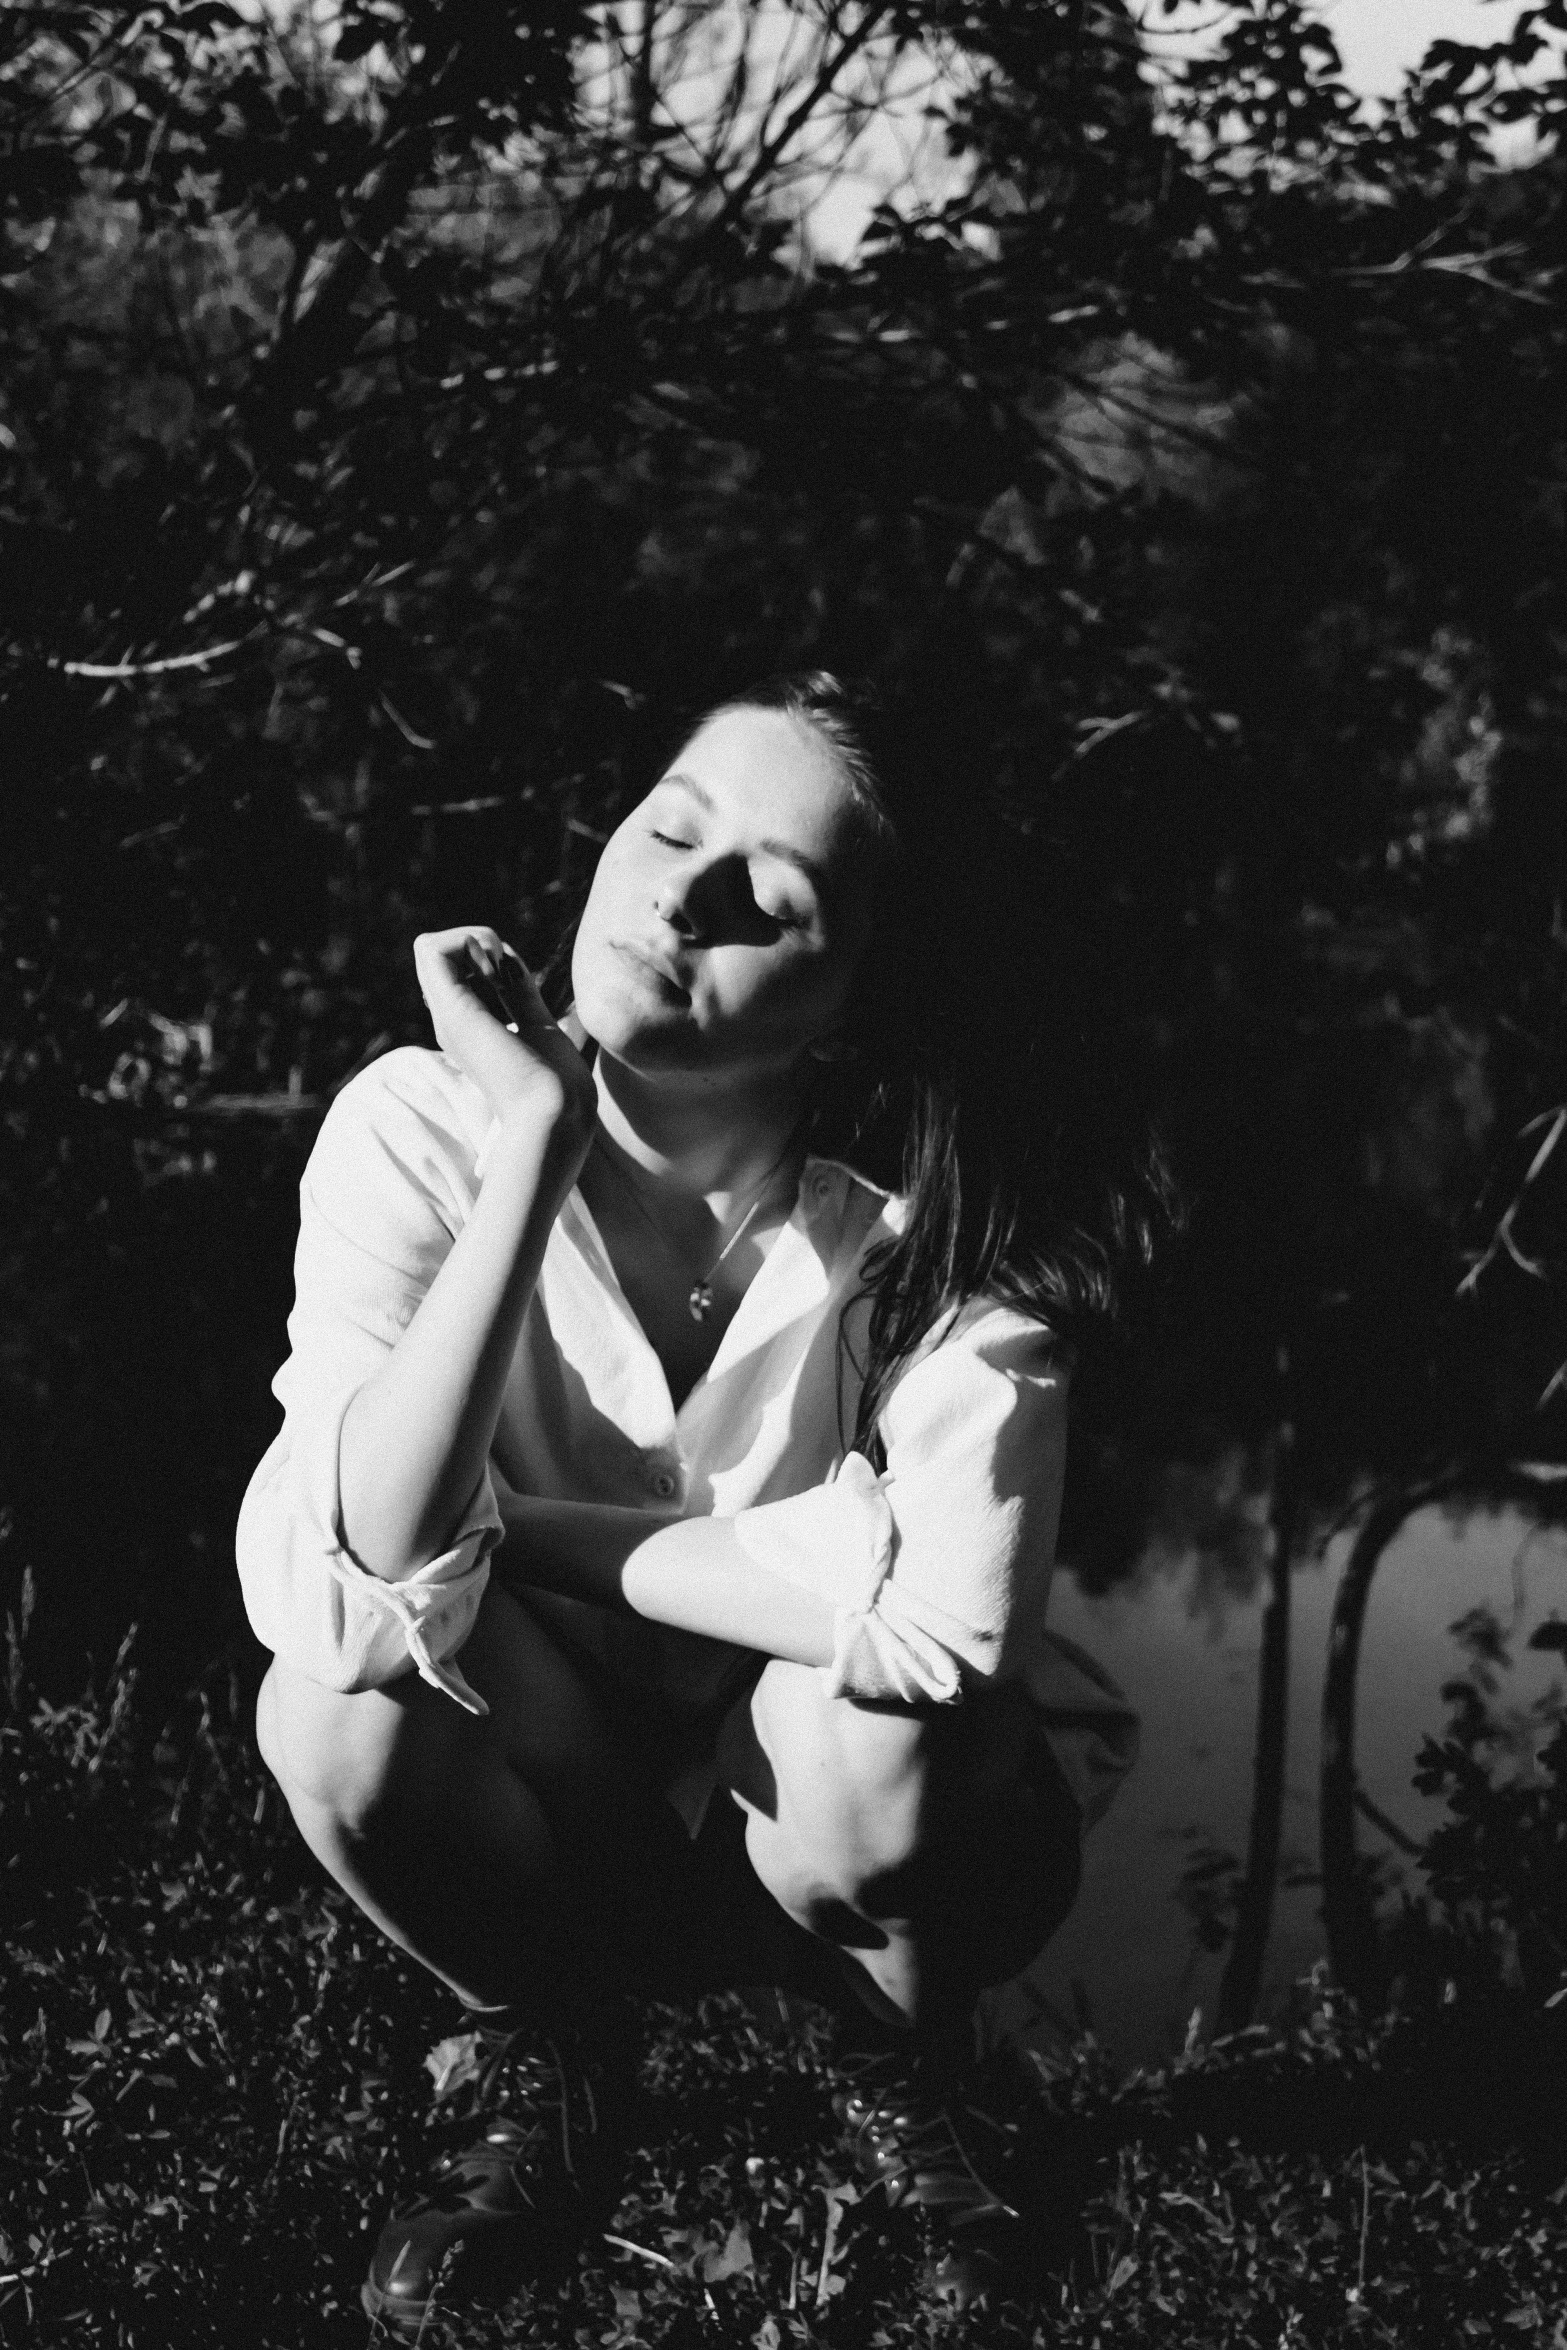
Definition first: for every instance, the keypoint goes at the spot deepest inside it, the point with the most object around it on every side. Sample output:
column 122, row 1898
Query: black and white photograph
column 783, row 1072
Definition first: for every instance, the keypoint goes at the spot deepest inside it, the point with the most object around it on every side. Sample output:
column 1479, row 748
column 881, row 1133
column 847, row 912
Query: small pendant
column 700, row 1301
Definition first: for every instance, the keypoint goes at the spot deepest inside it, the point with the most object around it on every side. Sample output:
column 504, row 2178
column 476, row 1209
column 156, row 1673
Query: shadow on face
column 729, row 912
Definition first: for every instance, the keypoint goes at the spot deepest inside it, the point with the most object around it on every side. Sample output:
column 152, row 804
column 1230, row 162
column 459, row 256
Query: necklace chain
column 700, row 1302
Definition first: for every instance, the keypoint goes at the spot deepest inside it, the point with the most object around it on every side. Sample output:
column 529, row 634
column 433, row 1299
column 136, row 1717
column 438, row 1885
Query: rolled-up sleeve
column 938, row 1571
column 388, row 1187
column 927, row 1564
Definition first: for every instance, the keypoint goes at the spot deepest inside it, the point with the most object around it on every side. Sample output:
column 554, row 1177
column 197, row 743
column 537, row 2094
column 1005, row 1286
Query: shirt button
column 664, row 1484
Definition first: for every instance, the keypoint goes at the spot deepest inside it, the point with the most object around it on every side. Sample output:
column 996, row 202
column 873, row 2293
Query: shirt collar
column 793, row 1282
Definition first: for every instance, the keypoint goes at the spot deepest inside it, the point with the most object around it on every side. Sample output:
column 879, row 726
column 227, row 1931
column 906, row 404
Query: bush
column 1491, row 1928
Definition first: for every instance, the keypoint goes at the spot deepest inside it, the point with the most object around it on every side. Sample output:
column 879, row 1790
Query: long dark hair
column 985, row 1072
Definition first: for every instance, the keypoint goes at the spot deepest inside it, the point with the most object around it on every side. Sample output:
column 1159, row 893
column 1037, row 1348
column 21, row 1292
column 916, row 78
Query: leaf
column 454, row 2062
column 736, row 2258
column 1124, row 2268
column 836, row 2199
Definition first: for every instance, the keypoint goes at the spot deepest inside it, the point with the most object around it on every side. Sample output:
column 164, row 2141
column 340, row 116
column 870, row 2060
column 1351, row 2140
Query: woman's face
column 729, row 910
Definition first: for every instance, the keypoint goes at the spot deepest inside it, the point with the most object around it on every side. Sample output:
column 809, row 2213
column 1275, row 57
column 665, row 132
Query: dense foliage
column 217, row 2074
column 409, row 408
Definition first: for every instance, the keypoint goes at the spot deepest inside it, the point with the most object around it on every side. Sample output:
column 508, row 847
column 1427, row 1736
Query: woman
column 636, row 1450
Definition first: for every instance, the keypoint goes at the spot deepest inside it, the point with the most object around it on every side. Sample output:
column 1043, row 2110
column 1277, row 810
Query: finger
column 450, row 945
column 481, row 947
column 476, row 960
column 482, row 979
column 525, row 1005
column 442, row 957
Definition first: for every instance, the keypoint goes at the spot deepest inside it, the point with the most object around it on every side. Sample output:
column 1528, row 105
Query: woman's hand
column 490, row 1018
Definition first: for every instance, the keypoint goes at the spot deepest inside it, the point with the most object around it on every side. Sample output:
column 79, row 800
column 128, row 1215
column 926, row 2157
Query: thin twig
column 112, row 669
column 642, row 2251
column 1390, row 1828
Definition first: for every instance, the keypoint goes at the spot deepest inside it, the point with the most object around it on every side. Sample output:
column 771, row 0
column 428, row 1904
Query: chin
column 624, row 1024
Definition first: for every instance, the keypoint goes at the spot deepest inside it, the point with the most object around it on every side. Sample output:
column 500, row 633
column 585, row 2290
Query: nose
column 695, row 897
column 705, row 899
column 673, row 904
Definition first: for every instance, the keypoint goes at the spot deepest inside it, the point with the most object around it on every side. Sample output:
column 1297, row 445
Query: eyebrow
column 771, row 848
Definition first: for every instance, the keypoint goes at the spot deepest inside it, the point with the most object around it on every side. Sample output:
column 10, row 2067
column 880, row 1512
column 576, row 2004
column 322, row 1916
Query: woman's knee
column 354, row 1756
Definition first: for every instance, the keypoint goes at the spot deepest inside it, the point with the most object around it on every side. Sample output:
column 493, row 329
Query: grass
column 213, row 2075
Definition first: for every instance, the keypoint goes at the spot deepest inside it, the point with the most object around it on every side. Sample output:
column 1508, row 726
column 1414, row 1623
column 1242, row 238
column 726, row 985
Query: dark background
column 396, row 434
column 404, row 416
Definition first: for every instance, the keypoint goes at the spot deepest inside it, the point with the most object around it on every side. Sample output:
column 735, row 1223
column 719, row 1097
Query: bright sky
column 1379, row 40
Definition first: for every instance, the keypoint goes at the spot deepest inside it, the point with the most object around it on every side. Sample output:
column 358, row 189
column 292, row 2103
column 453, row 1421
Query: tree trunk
column 1348, row 1914
column 1254, row 1913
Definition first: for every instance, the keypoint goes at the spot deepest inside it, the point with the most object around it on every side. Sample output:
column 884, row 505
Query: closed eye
column 670, row 842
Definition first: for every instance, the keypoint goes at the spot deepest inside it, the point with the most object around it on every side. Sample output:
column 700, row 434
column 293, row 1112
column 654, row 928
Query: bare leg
column 512, row 1856
column 937, row 1849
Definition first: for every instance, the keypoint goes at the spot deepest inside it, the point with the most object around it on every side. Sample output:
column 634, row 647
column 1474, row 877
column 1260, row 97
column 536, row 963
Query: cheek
column 797, row 1000
column 614, row 887
column 826, row 985
column 595, row 927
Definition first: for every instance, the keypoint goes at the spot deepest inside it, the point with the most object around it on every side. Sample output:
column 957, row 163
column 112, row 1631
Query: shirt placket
column 663, row 1475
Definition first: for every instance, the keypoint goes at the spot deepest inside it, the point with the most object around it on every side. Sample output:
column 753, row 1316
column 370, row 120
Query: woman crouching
column 656, row 1548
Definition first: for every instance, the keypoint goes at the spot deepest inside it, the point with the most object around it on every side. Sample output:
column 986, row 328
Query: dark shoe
column 903, row 2128
column 543, row 2166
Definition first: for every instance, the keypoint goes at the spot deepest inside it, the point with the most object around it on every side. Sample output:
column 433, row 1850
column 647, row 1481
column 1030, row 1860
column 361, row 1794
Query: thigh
column 556, row 1722
column 399, row 1767
column 405, row 1746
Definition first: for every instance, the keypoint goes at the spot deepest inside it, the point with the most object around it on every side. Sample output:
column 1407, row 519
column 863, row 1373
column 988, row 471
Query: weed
column 213, row 2069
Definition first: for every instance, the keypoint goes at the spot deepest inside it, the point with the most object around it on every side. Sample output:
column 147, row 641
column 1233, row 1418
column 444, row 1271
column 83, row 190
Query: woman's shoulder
column 991, row 1333
column 410, row 1109
column 996, row 1325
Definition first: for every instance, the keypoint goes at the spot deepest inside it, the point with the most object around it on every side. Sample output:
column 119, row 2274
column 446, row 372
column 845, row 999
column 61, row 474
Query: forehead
column 770, row 776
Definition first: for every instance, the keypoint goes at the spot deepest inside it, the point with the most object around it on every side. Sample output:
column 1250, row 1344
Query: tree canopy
column 410, row 406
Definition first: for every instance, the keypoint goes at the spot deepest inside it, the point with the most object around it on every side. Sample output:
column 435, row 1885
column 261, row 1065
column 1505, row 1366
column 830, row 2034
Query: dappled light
column 413, row 412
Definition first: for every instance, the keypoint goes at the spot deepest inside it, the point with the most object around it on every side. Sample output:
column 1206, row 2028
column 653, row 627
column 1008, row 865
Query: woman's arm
column 905, row 1586
column 690, row 1573
column 416, row 1436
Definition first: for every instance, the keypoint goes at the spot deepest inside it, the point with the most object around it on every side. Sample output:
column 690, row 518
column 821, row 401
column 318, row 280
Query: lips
column 647, row 960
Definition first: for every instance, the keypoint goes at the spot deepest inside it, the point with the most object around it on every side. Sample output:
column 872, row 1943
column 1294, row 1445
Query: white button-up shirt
column 938, row 1570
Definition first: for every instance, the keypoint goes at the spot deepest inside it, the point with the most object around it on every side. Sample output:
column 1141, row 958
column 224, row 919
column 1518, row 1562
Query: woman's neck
column 700, row 1140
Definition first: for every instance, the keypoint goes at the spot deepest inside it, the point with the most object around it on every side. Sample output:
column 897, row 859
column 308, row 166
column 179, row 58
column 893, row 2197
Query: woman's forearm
column 416, row 1436
column 689, row 1573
